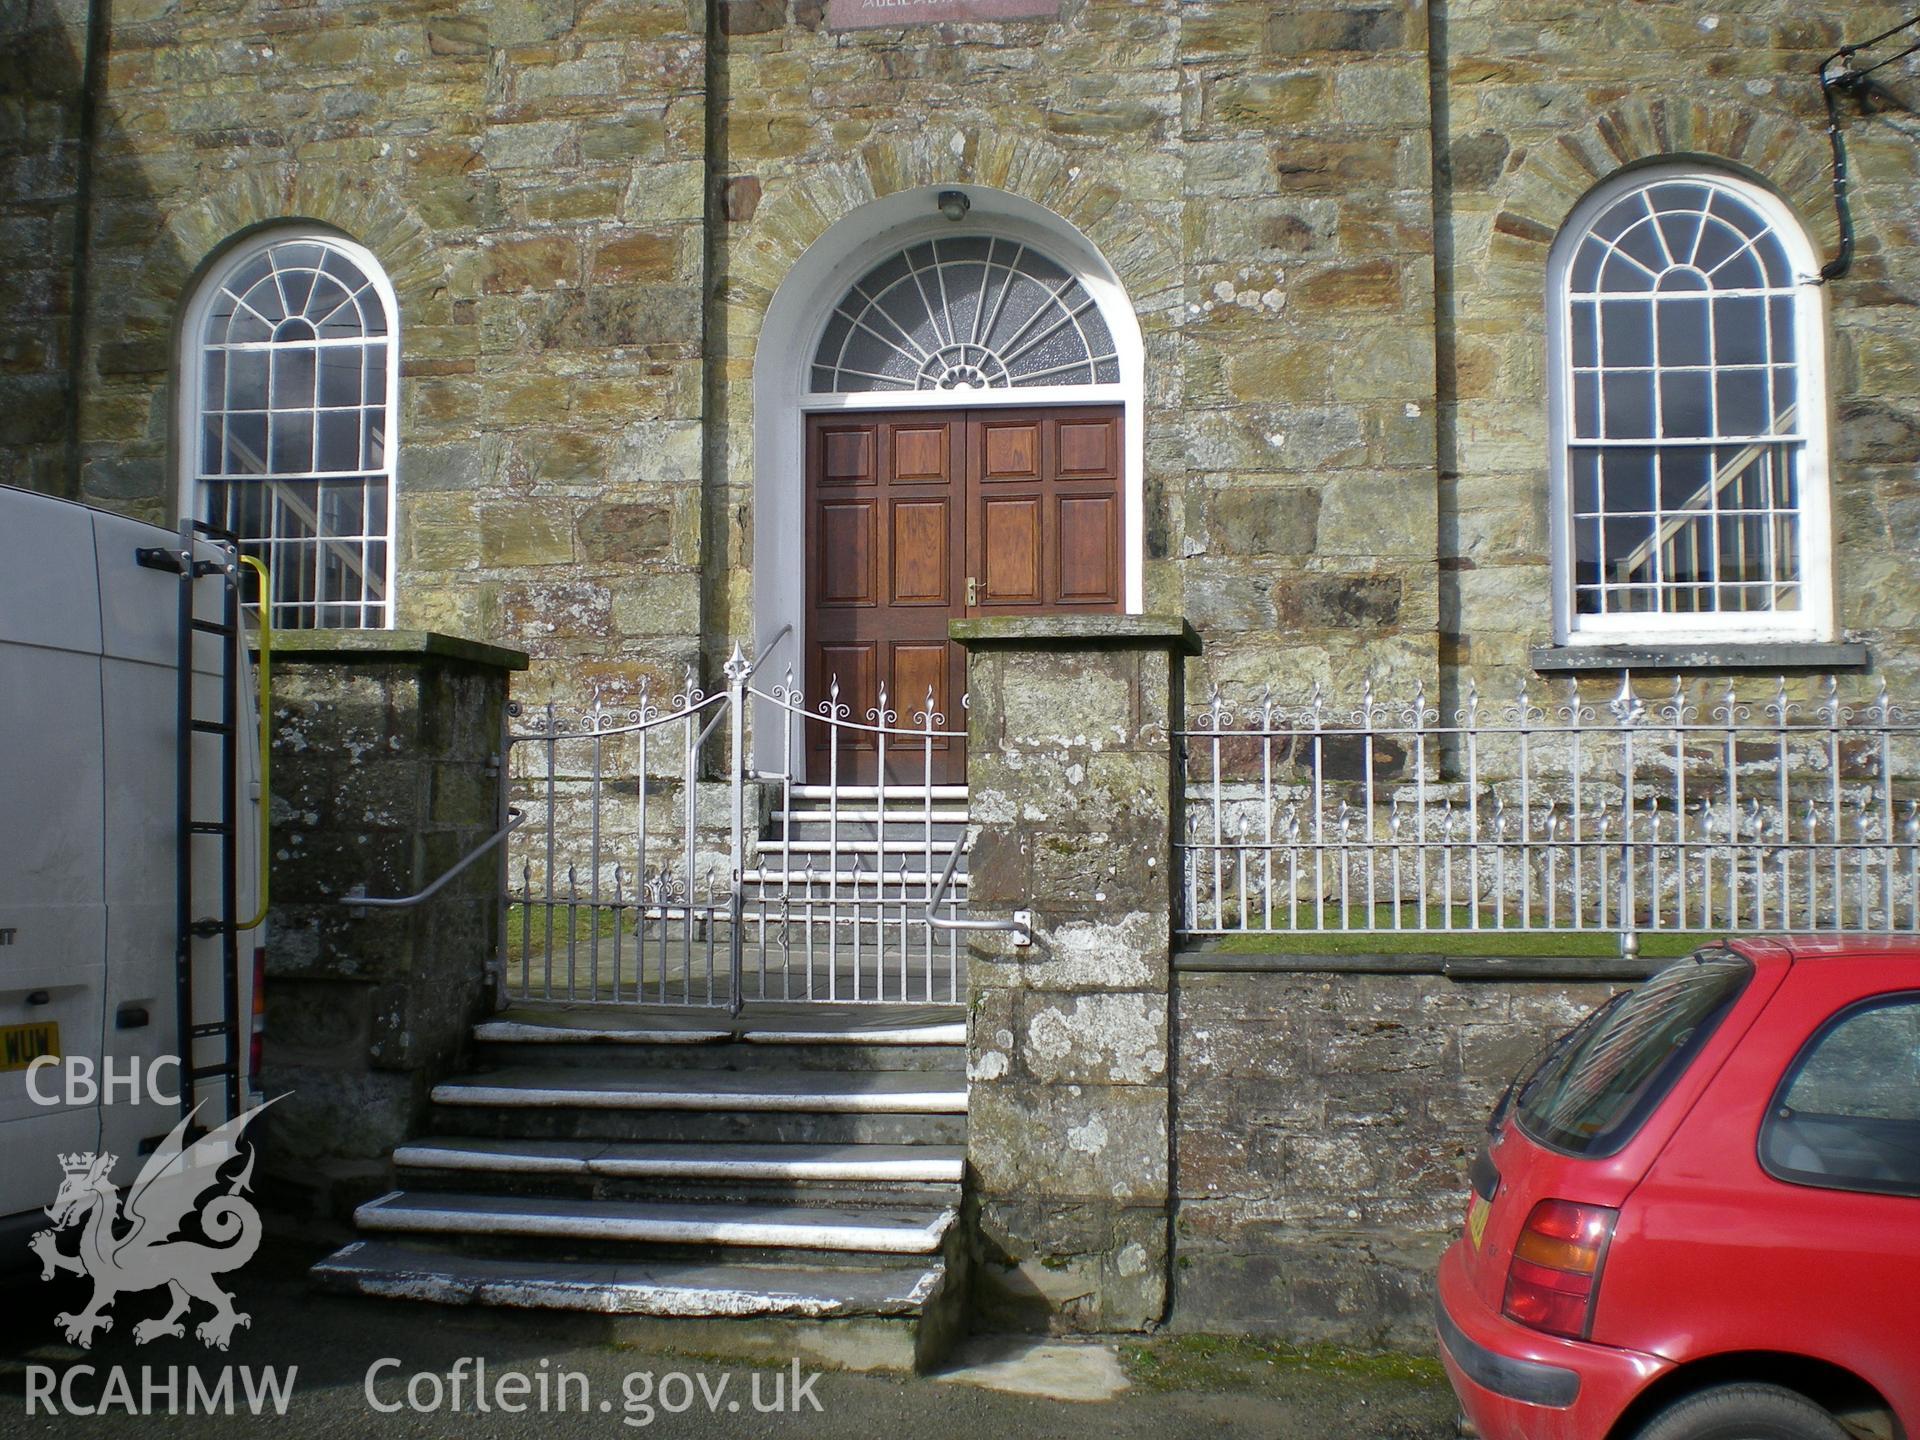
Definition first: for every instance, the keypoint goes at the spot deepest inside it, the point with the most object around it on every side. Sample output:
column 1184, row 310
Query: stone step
column 817, row 814
column 687, row 1160
column 721, row 1127
column 775, row 880
column 762, row 1022
column 724, row 1055
column 731, row 1091
column 761, row 1228
column 895, row 844
column 594, row 1035
column 902, row 792
column 860, row 1177
column 898, row 1317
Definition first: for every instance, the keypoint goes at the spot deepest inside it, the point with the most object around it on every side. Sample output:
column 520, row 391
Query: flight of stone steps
column 800, row 1173
column 864, row 842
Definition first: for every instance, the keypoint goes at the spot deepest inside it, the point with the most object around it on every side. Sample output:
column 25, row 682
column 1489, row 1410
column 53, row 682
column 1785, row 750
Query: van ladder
column 189, row 828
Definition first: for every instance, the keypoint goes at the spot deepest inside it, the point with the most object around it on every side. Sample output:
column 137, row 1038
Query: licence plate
column 21, row 1045
column 1477, row 1212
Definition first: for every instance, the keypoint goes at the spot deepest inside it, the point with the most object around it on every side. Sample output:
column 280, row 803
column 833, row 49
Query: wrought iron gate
column 657, row 863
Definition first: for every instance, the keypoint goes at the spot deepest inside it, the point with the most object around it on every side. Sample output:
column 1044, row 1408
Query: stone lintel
column 1077, row 632
column 375, row 646
column 1722, row 655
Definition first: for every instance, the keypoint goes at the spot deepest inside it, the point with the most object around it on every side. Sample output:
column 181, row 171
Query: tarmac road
column 1179, row 1387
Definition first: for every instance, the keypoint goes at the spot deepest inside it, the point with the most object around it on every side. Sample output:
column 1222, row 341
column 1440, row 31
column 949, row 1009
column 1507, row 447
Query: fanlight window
column 296, row 394
column 967, row 313
column 1687, row 417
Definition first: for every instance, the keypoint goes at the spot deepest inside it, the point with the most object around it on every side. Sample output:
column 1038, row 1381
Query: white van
column 91, row 840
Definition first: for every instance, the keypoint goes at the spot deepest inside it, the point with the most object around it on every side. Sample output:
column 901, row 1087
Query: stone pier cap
column 374, row 646
column 1088, row 631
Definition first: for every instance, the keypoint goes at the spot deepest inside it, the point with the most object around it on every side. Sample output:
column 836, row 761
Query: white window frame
column 191, row 370
column 1813, row 621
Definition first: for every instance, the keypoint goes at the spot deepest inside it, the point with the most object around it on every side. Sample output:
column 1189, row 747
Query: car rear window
column 1593, row 1092
column 1847, row 1116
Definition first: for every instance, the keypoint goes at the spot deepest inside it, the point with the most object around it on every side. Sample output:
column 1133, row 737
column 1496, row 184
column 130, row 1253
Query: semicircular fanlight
column 968, row 312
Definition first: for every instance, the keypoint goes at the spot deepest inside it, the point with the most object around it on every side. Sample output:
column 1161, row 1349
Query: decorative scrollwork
column 833, row 707
column 929, row 718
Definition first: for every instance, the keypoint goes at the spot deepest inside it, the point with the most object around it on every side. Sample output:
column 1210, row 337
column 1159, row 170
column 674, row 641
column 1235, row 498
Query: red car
column 1699, row 1217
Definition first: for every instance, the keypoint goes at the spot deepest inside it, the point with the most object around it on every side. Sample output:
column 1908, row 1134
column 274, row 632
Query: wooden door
column 917, row 517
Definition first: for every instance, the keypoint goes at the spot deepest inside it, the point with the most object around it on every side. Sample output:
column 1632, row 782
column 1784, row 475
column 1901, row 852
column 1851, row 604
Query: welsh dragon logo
column 135, row 1245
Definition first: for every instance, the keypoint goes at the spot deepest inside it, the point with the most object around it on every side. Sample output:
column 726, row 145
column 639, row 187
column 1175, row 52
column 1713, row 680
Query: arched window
column 1690, row 415
column 290, row 398
column 971, row 312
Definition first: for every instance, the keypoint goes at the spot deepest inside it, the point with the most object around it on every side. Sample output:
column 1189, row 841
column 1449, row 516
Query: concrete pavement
column 1165, row 1388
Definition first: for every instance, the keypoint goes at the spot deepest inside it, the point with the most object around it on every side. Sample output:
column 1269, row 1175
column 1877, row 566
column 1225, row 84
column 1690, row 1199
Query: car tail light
column 257, row 1040
column 1556, row 1267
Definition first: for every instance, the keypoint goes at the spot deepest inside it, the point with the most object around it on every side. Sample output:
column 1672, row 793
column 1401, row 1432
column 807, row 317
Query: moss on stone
column 1233, row 1362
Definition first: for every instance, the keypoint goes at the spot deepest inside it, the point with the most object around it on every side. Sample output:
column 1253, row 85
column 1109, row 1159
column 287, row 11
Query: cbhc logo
column 123, row 1077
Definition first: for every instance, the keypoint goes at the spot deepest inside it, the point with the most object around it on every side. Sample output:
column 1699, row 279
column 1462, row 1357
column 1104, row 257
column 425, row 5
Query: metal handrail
column 735, row 676
column 358, row 899
column 265, row 676
column 1020, row 925
column 767, row 654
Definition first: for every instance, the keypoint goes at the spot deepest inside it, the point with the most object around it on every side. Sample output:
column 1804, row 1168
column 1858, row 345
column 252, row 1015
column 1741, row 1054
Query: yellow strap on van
column 265, row 613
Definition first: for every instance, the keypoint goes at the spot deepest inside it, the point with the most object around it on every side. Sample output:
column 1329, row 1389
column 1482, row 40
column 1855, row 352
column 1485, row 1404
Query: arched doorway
column 947, row 423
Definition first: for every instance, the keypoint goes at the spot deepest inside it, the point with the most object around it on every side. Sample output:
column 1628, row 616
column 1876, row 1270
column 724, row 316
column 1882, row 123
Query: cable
column 1851, row 79
column 1841, row 263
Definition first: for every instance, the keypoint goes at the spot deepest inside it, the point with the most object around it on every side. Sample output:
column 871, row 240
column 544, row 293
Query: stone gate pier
column 1073, row 773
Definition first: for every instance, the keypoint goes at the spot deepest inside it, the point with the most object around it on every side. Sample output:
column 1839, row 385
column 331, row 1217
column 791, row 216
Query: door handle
column 973, row 592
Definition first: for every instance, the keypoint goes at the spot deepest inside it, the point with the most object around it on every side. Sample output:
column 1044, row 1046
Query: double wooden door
column 915, row 518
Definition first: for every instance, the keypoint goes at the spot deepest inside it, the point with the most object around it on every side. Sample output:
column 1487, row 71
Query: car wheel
column 1743, row 1412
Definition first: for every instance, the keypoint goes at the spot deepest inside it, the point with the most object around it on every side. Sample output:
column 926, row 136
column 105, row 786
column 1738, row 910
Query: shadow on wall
column 42, row 176
column 66, row 386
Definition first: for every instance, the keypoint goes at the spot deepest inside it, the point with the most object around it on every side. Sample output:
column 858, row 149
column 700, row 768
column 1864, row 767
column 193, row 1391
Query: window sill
column 1705, row 655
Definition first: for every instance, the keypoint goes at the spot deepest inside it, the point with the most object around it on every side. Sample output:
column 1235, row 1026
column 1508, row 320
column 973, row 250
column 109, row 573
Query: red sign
column 871, row 14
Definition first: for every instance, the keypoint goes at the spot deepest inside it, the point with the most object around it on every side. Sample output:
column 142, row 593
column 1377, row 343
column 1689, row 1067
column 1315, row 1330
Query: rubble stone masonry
column 1332, row 221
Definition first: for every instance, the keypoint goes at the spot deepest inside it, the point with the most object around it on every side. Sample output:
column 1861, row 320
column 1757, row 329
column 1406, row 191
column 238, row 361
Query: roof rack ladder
column 224, row 924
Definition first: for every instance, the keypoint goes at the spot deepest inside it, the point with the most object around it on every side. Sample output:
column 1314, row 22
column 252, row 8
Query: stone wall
column 1332, row 221
column 530, row 176
column 386, row 748
column 1536, row 103
column 43, row 46
column 1260, row 182
column 1322, row 1128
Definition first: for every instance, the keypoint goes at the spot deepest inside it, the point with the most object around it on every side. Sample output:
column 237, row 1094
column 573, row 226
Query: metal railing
column 359, row 902
column 661, row 863
column 1677, row 813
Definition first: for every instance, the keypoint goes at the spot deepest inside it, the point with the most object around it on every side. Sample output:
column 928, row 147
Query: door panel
column 915, row 518
column 1010, row 551
column 847, row 455
column 922, row 559
column 921, row 452
column 1087, row 560
column 848, row 559
column 918, row 668
column 1089, row 449
column 1010, row 450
